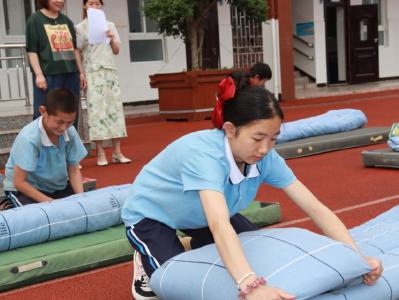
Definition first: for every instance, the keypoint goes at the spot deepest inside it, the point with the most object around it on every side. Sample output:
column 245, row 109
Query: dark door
column 331, row 44
column 363, row 43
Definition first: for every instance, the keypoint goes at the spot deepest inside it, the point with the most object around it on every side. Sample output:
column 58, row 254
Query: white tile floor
column 346, row 89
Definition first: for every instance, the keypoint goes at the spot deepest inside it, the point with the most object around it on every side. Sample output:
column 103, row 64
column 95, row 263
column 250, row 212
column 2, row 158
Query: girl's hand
column 83, row 82
column 41, row 82
column 372, row 277
column 268, row 293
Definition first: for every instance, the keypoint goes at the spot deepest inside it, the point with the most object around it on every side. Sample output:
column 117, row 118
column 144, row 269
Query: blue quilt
column 330, row 122
column 379, row 238
column 303, row 263
column 80, row 213
column 300, row 262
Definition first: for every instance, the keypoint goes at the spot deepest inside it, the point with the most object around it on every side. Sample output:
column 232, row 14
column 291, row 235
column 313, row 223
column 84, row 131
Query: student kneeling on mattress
column 200, row 182
column 46, row 154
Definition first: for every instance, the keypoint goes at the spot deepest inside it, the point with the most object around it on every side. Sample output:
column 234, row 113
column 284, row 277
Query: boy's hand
column 41, row 82
column 372, row 277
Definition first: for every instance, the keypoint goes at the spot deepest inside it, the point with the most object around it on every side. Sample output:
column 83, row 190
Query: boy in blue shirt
column 46, row 154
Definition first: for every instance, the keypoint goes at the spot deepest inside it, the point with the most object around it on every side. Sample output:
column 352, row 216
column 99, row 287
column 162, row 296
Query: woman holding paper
column 99, row 41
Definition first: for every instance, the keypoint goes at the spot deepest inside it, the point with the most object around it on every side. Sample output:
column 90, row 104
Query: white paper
column 98, row 26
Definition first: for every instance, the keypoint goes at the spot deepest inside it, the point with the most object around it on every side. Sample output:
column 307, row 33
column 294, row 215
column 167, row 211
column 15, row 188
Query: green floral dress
column 104, row 105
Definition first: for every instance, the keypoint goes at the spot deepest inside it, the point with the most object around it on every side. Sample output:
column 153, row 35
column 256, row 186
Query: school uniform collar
column 45, row 139
column 235, row 174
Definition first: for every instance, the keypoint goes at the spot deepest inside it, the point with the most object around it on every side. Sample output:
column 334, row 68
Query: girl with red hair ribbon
column 200, row 183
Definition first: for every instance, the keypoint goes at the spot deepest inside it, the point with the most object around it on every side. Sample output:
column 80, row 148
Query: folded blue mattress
column 332, row 121
column 303, row 263
column 378, row 237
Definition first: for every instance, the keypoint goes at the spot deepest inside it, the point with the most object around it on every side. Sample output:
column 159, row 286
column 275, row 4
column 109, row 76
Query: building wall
column 389, row 53
column 225, row 36
column 320, row 42
column 271, row 54
column 302, row 13
column 134, row 76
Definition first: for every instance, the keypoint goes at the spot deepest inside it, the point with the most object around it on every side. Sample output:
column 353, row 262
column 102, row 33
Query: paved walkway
column 346, row 89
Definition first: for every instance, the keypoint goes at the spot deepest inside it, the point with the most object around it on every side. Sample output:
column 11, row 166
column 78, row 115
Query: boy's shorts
column 17, row 199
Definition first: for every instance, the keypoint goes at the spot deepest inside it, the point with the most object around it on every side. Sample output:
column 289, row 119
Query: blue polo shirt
column 167, row 188
column 45, row 163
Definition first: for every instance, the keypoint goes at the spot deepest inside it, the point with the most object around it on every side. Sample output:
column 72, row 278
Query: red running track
column 338, row 179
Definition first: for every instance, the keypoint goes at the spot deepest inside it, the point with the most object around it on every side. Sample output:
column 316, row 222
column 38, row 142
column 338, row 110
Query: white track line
column 341, row 210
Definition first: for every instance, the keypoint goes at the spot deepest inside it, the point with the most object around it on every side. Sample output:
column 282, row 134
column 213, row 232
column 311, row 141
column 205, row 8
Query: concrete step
column 311, row 85
column 14, row 121
column 301, row 81
column 4, row 153
column 7, row 137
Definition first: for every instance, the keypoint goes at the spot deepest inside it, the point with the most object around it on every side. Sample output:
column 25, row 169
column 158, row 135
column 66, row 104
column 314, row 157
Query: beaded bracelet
column 251, row 286
column 243, row 278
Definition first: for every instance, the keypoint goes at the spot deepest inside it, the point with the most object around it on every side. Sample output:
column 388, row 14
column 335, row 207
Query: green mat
column 67, row 256
column 54, row 259
column 263, row 213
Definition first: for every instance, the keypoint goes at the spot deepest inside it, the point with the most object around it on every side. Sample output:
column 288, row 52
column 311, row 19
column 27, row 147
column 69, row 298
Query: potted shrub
column 191, row 94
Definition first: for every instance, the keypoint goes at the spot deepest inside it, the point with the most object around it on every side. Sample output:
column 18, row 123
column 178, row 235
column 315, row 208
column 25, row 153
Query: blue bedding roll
column 21, row 229
column 330, row 122
column 300, row 262
column 81, row 213
column 378, row 237
column 305, row 264
column 387, row 288
column 64, row 219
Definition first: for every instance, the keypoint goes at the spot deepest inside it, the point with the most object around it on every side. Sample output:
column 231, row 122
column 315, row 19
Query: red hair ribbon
column 227, row 90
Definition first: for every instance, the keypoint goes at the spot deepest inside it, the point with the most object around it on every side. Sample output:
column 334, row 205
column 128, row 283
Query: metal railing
column 310, row 57
column 12, row 68
column 307, row 44
column 310, row 45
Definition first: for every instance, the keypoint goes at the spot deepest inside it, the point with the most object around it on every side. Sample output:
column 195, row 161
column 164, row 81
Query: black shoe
column 140, row 286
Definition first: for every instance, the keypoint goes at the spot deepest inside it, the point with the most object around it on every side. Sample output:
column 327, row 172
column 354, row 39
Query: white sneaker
column 140, row 286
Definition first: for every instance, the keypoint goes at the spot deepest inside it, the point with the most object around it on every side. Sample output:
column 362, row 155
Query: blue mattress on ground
column 330, row 122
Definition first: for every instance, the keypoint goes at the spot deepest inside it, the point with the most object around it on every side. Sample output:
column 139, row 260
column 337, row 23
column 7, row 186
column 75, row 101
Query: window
column 144, row 41
column 382, row 20
column 363, row 30
column 13, row 16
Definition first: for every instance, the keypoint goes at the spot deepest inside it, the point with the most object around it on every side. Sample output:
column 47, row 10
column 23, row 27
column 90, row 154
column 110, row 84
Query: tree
column 187, row 19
